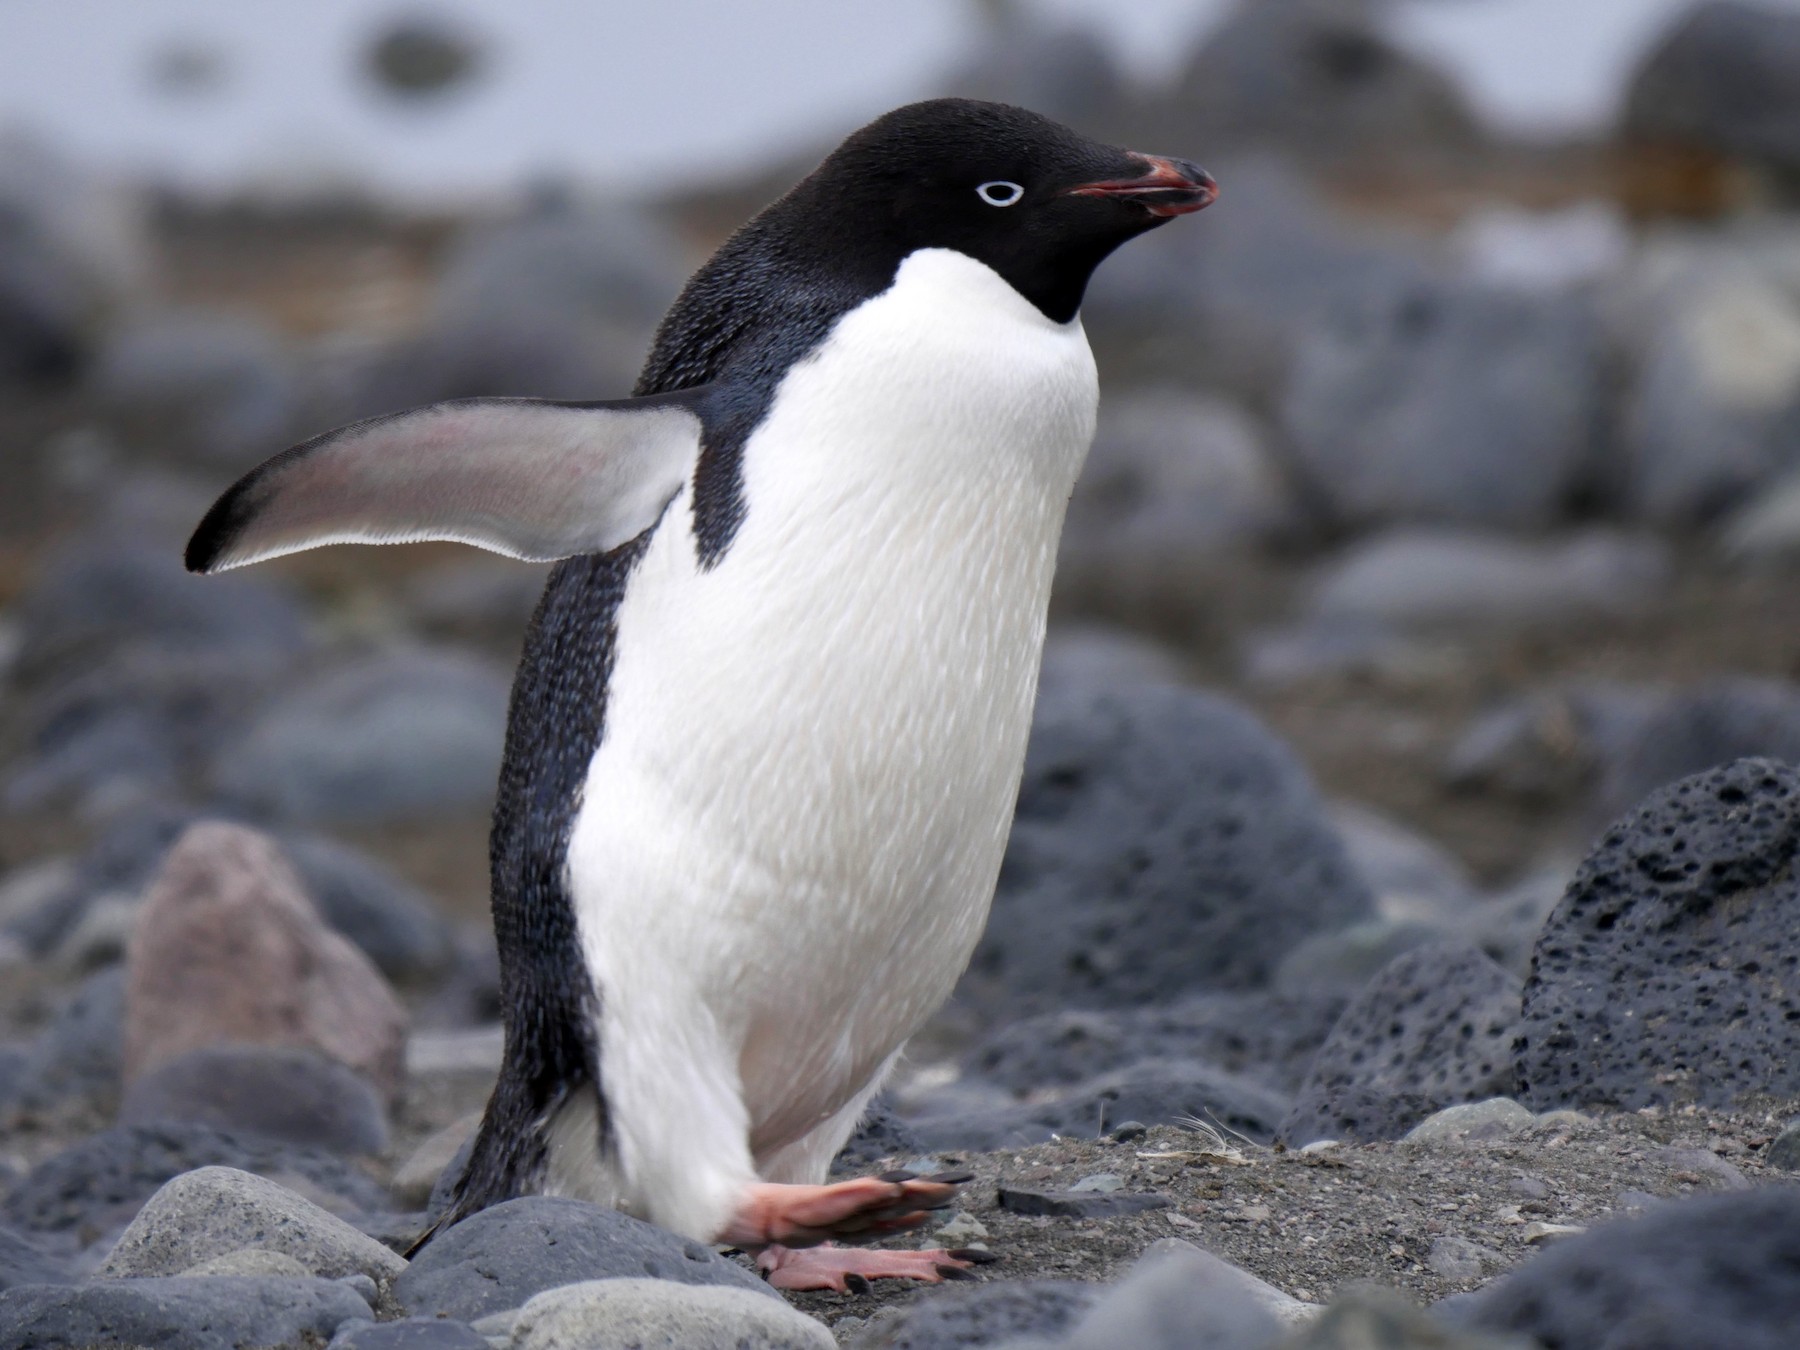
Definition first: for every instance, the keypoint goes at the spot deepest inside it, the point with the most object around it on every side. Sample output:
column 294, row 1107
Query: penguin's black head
column 1032, row 199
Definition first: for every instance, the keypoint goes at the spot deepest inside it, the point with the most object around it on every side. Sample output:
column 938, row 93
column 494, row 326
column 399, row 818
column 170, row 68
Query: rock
column 1067, row 72
column 1784, row 1148
column 1447, row 403
column 209, row 1314
column 1345, row 647
column 417, row 1177
column 396, row 737
column 1155, row 1092
column 1266, row 1038
column 1660, row 978
column 1472, row 1123
column 282, row 1092
column 1704, row 1162
column 215, row 1210
column 1424, row 579
column 499, row 1257
column 412, row 1333
column 1506, row 925
column 1083, row 655
column 1458, row 1259
column 95, row 598
column 978, row 1315
column 1178, row 1297
column 1552, row 744
column 22, row 1261
column 473, row 1052
column 1414, row 878
column 1436, row 1026
column 625, row 1314
column 1173, row 480
column 1343, row 963
column 881, row 1135
column 1725, row 78
column 1543, row 252
column 1766, row 528
column 79, row 1053
column 1722, row 719
column 1706, row 1270
column 397, row 926
column 229, row 950
column 1712, row 393
column 249, row 1261
column 217, row 389
column 1146, row 811
column 1369, row 1316
column 1078, row 1204
column 1317, row 78
column 93, row 1187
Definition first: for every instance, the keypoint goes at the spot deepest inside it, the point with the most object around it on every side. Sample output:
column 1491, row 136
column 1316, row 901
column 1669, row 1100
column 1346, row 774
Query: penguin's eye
column 1000, row 193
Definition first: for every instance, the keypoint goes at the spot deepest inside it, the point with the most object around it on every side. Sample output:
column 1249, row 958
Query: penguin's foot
column 849, row 1269
column 868, row 1207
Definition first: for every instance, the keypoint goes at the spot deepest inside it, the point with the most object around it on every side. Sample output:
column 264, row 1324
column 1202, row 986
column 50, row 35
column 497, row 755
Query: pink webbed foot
column 868, row 1207
column 849, row 1269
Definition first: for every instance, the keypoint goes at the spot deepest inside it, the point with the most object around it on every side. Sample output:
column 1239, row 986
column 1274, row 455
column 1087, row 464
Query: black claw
column 975, row 1256
column 898, row 1174
column 858, row 1284
column 951, row 1178
column 764, row 1274
column 954, row 1273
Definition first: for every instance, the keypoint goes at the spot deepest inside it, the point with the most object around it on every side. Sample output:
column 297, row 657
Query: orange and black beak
column 1168, row 187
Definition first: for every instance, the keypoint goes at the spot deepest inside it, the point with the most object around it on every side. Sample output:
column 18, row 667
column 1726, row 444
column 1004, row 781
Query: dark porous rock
column 280, row 1091
column 23, row 1261
column 500, row 1257
column 1153, row 1092
column 1727, row 78
column 1717, row 1270
column 410, row 1333
column 1149, row 813
column 1435, row 1028
column 978, row 1316
column 401, row 736
column 1266, row 1038
column 1667, row 973
column 881, row 1136
column 209, row 1313
column 396, row 925
column 99, row 596
column 96, row 1186
column 79, row 1053
column 1447, row 403
column 1079, row 1204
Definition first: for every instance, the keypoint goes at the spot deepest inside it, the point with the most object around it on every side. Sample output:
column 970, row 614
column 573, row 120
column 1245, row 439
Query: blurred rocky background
column 1415, row 729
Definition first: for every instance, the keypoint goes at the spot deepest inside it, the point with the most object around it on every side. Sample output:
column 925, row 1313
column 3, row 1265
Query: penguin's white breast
column 797, row 812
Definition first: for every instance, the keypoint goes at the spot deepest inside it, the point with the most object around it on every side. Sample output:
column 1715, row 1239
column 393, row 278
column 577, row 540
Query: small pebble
column 960, row 1229
column 1100, row 1181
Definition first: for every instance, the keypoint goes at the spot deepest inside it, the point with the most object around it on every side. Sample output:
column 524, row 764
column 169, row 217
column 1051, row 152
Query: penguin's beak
column 1168, row 187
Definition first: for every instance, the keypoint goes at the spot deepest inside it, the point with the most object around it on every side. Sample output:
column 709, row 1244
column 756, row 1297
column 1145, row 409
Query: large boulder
column 1166, row 844
column 1666, row 973
column 213, row 1313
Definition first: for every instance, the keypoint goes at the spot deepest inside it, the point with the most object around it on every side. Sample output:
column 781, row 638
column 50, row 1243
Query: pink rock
column 229, row 950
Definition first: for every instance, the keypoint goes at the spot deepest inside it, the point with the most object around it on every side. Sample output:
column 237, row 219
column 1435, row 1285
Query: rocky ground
column 1400, row 911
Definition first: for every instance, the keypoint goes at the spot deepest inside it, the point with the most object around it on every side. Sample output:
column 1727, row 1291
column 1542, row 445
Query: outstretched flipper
column 532, row 479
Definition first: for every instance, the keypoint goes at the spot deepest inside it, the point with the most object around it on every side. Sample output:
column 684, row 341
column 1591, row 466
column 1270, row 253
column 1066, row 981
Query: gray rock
column 23, row 1261
column 1543, row 252
column 1180, row 1297
column 1665, row 973
column 397, row 926
column 626, row 1314
column 1263, row 1037
column 1173, row 480
column 1154, row 1092
column 249, row 1261
column 1506, row 925
column 500, row 1257
column 1344, row 647
column 1472, row 1123
column 1435, row 1028
column 177, row 1314
column 1711, row 1270
column 1550, row 745
column 417, row 1178
column 1147, row 812
column 1414, row 878
column 1447, row 403
column 1417, row 578
column 1765, row 530
column 1084, row 655
column 79, row 1053
column 96, row 597
column 282, row 1092
column 215, row 388
column 411, row 1333
column 978, row 1315
column 92, row 1187
column 1343, row 963
column 1784, row 1148
column 882, row 1135
column 1079, row 1204
column 215, row 1210
column 1065, row 71
column 1369, row 1316
column 1458, row 1259
column 1726, row 78
column 401, row 736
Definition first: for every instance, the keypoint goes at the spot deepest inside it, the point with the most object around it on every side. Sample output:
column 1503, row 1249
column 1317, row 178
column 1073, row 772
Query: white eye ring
column 1000, row 193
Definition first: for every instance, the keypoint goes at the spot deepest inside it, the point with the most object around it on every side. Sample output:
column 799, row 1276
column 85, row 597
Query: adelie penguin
column 771, row 715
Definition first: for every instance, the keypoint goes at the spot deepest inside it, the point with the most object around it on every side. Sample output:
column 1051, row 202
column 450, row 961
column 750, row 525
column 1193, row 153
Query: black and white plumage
column 770, row 718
